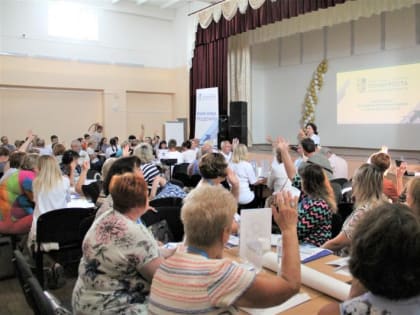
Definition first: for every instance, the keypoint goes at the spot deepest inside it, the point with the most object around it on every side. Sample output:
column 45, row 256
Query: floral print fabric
column 115, row 249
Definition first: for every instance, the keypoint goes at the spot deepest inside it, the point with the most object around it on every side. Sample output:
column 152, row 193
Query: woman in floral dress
column 119, row 256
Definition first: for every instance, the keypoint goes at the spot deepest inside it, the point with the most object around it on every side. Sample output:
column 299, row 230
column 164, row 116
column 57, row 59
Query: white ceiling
column 163, row 4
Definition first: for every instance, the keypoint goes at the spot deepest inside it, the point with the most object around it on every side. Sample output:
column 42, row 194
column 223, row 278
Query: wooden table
column 318, row 299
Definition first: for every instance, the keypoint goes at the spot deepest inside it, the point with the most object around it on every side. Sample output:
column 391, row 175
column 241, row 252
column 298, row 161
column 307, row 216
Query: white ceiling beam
column 169, row 4
column 115, row 1
column 140, row 2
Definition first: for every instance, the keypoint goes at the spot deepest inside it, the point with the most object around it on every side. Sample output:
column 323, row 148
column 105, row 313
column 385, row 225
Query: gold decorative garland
column 311, row 98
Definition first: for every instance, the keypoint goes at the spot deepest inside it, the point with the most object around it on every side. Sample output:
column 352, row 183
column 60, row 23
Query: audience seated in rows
column 200, row 281
column 385, row 252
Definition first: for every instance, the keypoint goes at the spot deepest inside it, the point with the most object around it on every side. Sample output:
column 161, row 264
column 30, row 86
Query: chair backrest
column 336, row 224
column 61, row 226
column 85, row 225
column 166, row 202
column 93, row 174
column 340, row 181
column 23, row 273
column 42, row 303
column 344, row 209
column 180, row 169
column 172, row 215
column 184, row 178
column 92, row 190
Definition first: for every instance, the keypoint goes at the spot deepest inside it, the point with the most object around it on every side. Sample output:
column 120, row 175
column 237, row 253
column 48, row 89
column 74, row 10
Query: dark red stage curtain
column 209, row 64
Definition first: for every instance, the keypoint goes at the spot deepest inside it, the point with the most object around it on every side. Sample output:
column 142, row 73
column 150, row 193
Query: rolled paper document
column 313, row 279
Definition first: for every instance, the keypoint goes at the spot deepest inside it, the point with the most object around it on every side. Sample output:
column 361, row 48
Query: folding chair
column 61, row 226
column 172, row 215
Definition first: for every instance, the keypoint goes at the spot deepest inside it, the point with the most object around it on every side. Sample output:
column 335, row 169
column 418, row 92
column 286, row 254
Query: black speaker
column 223, row 128
column 240, row 132
column 238, row 114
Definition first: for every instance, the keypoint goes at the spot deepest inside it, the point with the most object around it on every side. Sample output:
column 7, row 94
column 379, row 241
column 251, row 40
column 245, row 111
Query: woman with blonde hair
column 246, row 175
column 144, row 152
column 367, row 193
column 200, row 281
column 51, row 190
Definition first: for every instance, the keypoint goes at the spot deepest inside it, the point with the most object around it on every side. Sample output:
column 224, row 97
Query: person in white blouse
column 278, row 179
column 246, row 175
column 173, row 153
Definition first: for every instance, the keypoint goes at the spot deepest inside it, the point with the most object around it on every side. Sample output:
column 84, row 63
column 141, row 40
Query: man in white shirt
column 173, row 153
column 339, row 165
column 226, row 150
column 76, row 145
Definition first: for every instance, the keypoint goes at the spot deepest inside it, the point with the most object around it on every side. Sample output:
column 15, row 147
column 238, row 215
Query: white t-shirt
column 246, row 176
column 189, row 156
column 57, row 198
column 278, row 179
column 315, row 138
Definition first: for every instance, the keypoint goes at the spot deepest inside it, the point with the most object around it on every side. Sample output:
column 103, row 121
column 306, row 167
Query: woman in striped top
column 200, row 281
column 144, row 152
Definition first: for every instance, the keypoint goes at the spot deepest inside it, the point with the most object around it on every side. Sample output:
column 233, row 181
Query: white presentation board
column 174, row 130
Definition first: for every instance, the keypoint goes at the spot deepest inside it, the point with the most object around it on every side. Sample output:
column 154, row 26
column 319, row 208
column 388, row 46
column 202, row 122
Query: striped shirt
column 150, row 171
column 192, row 284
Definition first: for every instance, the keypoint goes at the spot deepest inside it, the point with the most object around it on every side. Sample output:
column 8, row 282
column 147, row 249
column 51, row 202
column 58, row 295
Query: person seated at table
column 277, row 179
column 367, row 193
column 413, row 195
column 173, row 153
column 129, row 164
column 14, row 164
column 144, row 152
column 383, row 161
column 199, row 281
column 120, row 256
column 193, row 168
column 16, row 198
column 51, row 191
column 214, row 171
column 76, row 173
column 246, row 175
column 384, row 262
column 316, row 206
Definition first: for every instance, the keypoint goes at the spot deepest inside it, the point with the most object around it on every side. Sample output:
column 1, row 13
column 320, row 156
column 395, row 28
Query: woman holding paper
column 200, row 281
column 367, row 192
column 385, row 264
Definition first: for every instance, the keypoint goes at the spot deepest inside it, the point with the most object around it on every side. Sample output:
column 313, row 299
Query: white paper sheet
column 255, row 235
column 292, row 302
column 313, row 279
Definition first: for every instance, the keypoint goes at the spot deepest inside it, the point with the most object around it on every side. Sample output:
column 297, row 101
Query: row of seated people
column 122, row 262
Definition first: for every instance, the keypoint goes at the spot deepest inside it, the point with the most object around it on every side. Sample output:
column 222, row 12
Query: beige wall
column 65, row 97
